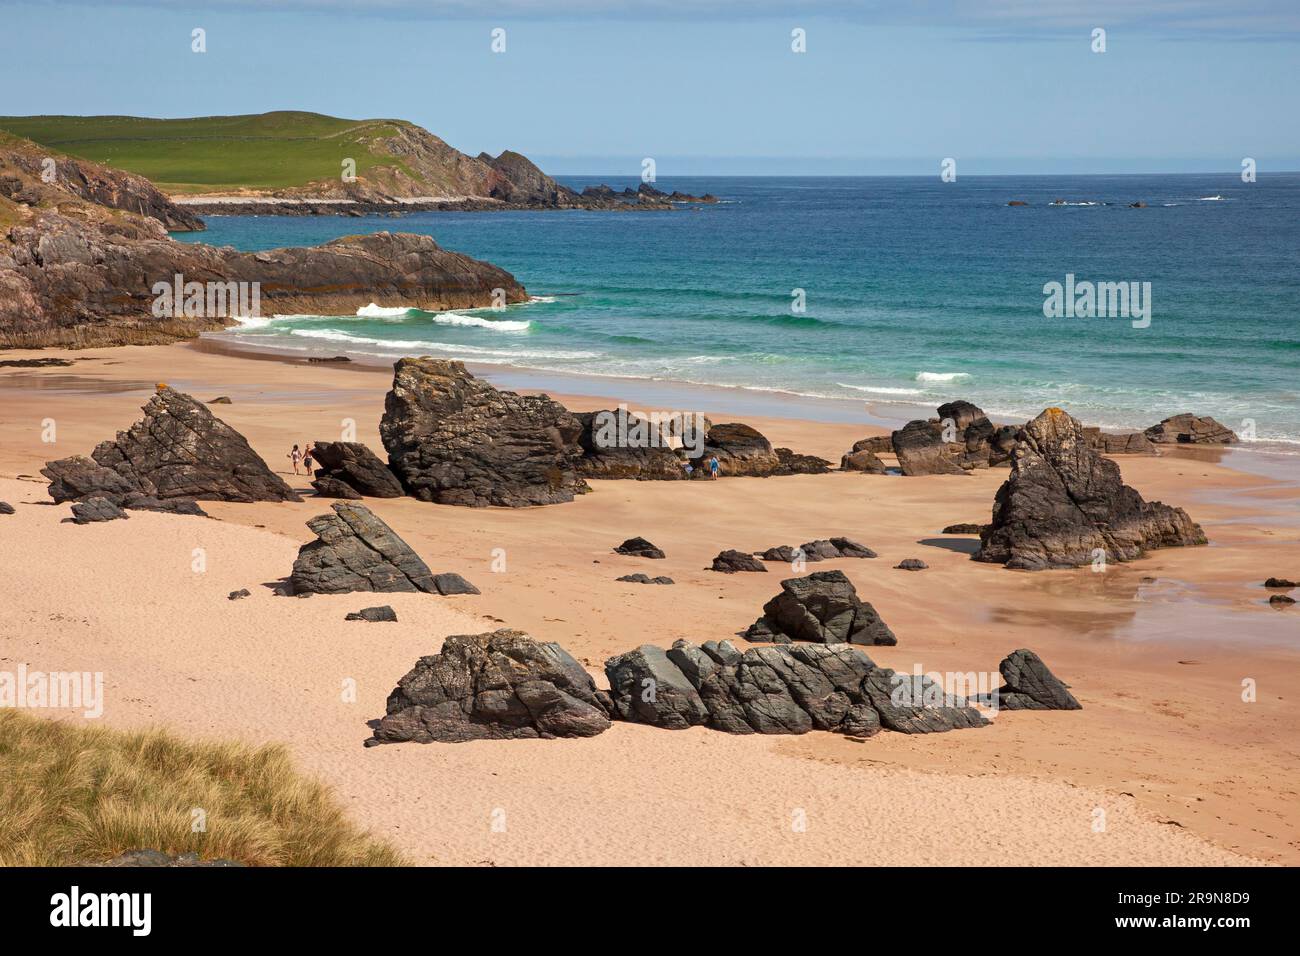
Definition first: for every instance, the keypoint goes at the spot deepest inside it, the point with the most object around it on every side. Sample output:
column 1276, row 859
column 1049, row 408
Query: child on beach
column 306, row 458
column 713, row 468
column 295, row 456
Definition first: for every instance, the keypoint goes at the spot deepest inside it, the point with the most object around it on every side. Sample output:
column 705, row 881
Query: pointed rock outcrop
column 1065, row 504
column 1031, row 686
column 453, row 439
column 823, row 607
column 350, row 470
column 357, row 551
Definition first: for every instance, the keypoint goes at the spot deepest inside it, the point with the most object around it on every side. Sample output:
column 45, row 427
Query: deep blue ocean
column 917, row 291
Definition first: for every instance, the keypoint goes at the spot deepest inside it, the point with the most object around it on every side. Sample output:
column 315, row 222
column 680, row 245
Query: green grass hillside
column 210, row 153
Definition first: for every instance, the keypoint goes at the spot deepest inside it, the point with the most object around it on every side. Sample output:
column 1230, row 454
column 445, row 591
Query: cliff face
column 81, row 267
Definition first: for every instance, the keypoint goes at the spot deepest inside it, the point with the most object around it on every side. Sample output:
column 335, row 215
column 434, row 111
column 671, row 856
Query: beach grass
column 204, row 154
column 73, row 794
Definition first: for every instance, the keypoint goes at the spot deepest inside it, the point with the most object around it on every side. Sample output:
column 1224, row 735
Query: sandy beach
column 1184, row 770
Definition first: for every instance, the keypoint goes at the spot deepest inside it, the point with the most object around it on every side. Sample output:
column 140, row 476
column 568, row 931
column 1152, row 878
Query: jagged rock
column 648, row 688
column 171, row 506
column 1031, row 686
column 355, row 468
column 451, row 583
column 823, row 607
column 785, row 553
column 820, row 550
column 220, row 400
column 373, row 614
column 639, row 547
column 848, row 548
column 768, row 690
column 328, row 360
column 1064, row 501
column 1281, row 583
column 1189, row 429
column 238, row 595
column 642, row 453
column 921, row 450
column 1130, row 443
column 877, row 444
column 731, row 561
column 915, row 704
column 95, row 509
column 454, row 439
column 863, row 460
column 6, row 508
column 1281, row 600
column 965, row 528
column 178, row 450
column 640, row 578
column 498, row 685
column 356, row 551
column 911, row 564
column 740, row 450
column 792, row 463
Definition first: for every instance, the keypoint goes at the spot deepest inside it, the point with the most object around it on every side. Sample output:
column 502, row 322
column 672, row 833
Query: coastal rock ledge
column 1065, row 505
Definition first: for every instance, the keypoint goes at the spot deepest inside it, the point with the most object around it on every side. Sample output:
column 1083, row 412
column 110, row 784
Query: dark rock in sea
column 641, row 450
column 220, row 400
column 1137, row 205
column 178, row 450
column 6, row 508
column 965, row 528
column 915, row 704
column 640, row 578
column 1128, row 443
column 1031, row 686
column 373, row 614
column 911, row 564
column 499, row 685
column 1064, row 502
column 1281, row 583
column 356, row 468
column 1188, row 429
column 769, row 690
column 823, row 607
column 134, row 858
column 449, row 583
column 356, row 551
column 1281, row 600
column 639, row 547
column 95, row 509
column 1017, row 202
column 453, row 439
column 238, row 595
column 731, row 561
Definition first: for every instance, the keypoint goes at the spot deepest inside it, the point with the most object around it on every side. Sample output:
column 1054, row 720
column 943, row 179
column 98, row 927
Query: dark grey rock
column 498, row 685
column 351, row 465
column 1031, row 686
column 373, row 614
column 6, row 508
column 451, row 583
column 1281, row 583
column 965, row 528
column 823, row 607
column 356, row 551
column 639, row 547
column 1189, row 429
column 1281, row 600
column 171, row 506
column 913, row 704
column 911, row 564
column 730, row 561
column 640, row 578
column 95, row 509
column 238, row 595
column 648, row 688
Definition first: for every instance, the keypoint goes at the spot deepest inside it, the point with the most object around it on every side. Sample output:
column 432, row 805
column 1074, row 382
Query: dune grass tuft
column 73, row 794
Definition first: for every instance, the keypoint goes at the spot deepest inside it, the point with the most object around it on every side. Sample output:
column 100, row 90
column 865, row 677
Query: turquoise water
column 917, row 292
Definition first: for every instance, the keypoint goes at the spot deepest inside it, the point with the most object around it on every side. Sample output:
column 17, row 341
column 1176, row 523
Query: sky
column 707, row 86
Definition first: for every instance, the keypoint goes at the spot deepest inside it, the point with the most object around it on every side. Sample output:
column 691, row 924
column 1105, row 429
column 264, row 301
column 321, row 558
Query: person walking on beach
column 295, row 456
column 713, row 468
column 306, row 458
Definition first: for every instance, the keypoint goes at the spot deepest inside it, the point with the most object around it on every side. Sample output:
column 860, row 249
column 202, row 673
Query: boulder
column 768, row 690
column 640, row 578
column 863, row 460
column 6, row 508
column 449, row 583
column 95, row 509
column 498, row 685
column 740, row 450
column 823, row 607
column 820, row 550
column 350, row 466
column 793, row 463
column 915, row 704
column 911, row 564
column 640, row 451
column 731, row 561
column 453, row 439
column 1281, row 583
column 356, row 551
column 1189, row 429
column 373, row 614
column 848, row 548
column 965, row 528
column 1031, row 686
column 921, row 450
column 238, row 595
column 1064, row 502
column 1281, row 600
column 178, row 450
column 171, row 506
column 639, row 547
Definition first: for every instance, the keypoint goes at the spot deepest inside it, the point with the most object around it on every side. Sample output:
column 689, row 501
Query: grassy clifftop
column 266, row 151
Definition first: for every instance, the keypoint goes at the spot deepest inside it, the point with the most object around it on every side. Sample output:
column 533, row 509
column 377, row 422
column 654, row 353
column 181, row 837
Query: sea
column 874, row 291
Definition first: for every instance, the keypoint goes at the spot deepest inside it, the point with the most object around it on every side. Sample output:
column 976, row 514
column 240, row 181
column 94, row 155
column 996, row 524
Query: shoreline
column 1156, row 649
